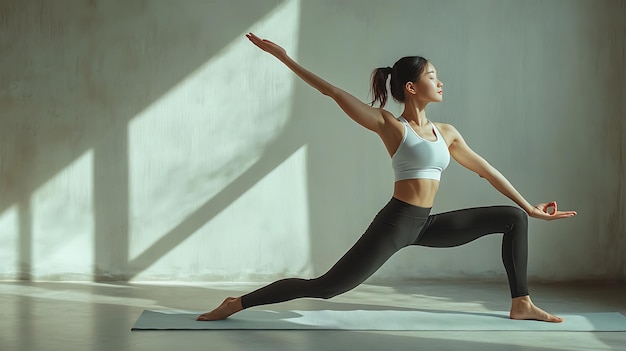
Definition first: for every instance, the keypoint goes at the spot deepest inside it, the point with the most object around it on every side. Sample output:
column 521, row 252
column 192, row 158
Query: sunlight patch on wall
column 9, row 237
column 63, row 222
column 207, row 131
column 264, row 232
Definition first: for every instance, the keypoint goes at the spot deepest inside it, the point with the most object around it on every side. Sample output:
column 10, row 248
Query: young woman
column 420, row 150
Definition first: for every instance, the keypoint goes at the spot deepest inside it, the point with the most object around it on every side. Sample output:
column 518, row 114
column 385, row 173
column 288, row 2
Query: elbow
column 486, row 174
column 487, row 171
column 328, row 91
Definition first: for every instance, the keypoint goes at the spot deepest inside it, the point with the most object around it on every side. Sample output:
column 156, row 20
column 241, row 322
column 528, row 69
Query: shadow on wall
column 74, row 77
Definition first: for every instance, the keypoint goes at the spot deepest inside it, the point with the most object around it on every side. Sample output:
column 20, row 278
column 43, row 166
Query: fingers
column 560, row 215
column 554, row 213
column 254, row 39
column 260, row 43
column 549, row 211
column 550, row 208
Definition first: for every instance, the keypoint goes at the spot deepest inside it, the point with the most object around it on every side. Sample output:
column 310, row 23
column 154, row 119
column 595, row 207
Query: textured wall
column 623, row 161
column 623, row 186
column 143, row 140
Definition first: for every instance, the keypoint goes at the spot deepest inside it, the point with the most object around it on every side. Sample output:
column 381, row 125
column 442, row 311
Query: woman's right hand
column 267, row 46
column 549, row 211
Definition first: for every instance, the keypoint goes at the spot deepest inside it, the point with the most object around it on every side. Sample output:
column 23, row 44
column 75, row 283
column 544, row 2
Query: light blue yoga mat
column 376, row 320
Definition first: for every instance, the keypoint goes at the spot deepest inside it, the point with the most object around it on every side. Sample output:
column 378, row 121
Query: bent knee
column 515, row 217
column 327, row 290
column 516, row 214
column 519, row 214
column 329, row 293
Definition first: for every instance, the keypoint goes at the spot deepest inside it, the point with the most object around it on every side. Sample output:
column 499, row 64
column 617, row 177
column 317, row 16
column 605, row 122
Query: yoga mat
column 375, row 320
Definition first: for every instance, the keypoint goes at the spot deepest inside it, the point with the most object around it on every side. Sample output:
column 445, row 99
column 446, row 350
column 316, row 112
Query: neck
column 415, row 111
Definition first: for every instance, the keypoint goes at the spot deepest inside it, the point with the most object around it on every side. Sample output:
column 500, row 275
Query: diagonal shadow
column 72, row 77
column 276, row 152
column 105, row 62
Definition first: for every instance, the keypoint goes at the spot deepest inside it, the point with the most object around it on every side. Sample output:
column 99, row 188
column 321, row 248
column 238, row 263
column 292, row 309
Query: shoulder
column 445, row 127
column 389, row 120
column 449, row 132
column 388, row 116
column 392, row 129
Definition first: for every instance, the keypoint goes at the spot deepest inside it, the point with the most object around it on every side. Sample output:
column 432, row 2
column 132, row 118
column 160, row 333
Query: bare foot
column 523, row 308
column 230, row 306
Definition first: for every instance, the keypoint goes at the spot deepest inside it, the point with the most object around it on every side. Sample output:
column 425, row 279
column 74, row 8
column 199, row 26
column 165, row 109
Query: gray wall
column 623, row 163
column 143, row 140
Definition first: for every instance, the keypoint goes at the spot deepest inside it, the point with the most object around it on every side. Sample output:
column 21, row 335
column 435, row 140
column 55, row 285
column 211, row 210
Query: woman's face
column 428, row 88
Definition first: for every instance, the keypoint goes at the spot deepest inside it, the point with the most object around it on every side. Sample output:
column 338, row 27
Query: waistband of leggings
column 408, row 209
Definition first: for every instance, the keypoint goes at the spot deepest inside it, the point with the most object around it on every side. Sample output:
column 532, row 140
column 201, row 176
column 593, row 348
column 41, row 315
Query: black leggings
column 398, row 225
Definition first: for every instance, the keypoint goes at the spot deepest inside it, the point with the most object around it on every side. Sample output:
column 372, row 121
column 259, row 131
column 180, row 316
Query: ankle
column 525, row 298
column 521, row 302
column 235, row 304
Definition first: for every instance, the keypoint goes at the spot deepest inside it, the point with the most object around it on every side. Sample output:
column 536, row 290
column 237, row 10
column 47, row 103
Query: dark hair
column 406, row 69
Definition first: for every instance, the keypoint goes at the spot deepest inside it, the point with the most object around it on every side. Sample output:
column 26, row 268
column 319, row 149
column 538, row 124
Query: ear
column 410, row 87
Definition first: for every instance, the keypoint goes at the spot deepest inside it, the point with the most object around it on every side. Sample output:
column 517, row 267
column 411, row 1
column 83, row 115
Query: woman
column 420, row 150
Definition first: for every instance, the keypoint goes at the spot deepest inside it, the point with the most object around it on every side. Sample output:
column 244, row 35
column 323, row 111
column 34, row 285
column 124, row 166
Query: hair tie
column 389, row 69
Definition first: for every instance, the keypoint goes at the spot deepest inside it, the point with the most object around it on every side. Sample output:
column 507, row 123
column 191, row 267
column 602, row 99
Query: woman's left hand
column 549, row 211
column 267, row 46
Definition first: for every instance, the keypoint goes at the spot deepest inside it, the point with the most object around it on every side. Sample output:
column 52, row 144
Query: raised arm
column 365, row 115
column 469, row 159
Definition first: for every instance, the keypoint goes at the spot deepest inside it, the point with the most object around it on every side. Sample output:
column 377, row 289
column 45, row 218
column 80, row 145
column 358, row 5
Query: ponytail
column 406, row 69
column 379, row 85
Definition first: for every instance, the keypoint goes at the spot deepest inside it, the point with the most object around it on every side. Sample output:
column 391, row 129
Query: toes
column 550, row 317
column 556, row 319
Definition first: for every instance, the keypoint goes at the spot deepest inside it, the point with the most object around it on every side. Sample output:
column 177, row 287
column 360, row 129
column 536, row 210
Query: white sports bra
column 418, row 158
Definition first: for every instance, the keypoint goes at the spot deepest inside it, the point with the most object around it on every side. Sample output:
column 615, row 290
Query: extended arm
column 469, row 159
column 365, row 115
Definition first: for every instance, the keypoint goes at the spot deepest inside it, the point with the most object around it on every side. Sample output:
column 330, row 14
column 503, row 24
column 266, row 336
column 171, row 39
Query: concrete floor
column 94, row 316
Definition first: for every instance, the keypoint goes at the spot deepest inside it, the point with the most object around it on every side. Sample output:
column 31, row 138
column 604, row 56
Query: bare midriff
column 418, row 192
